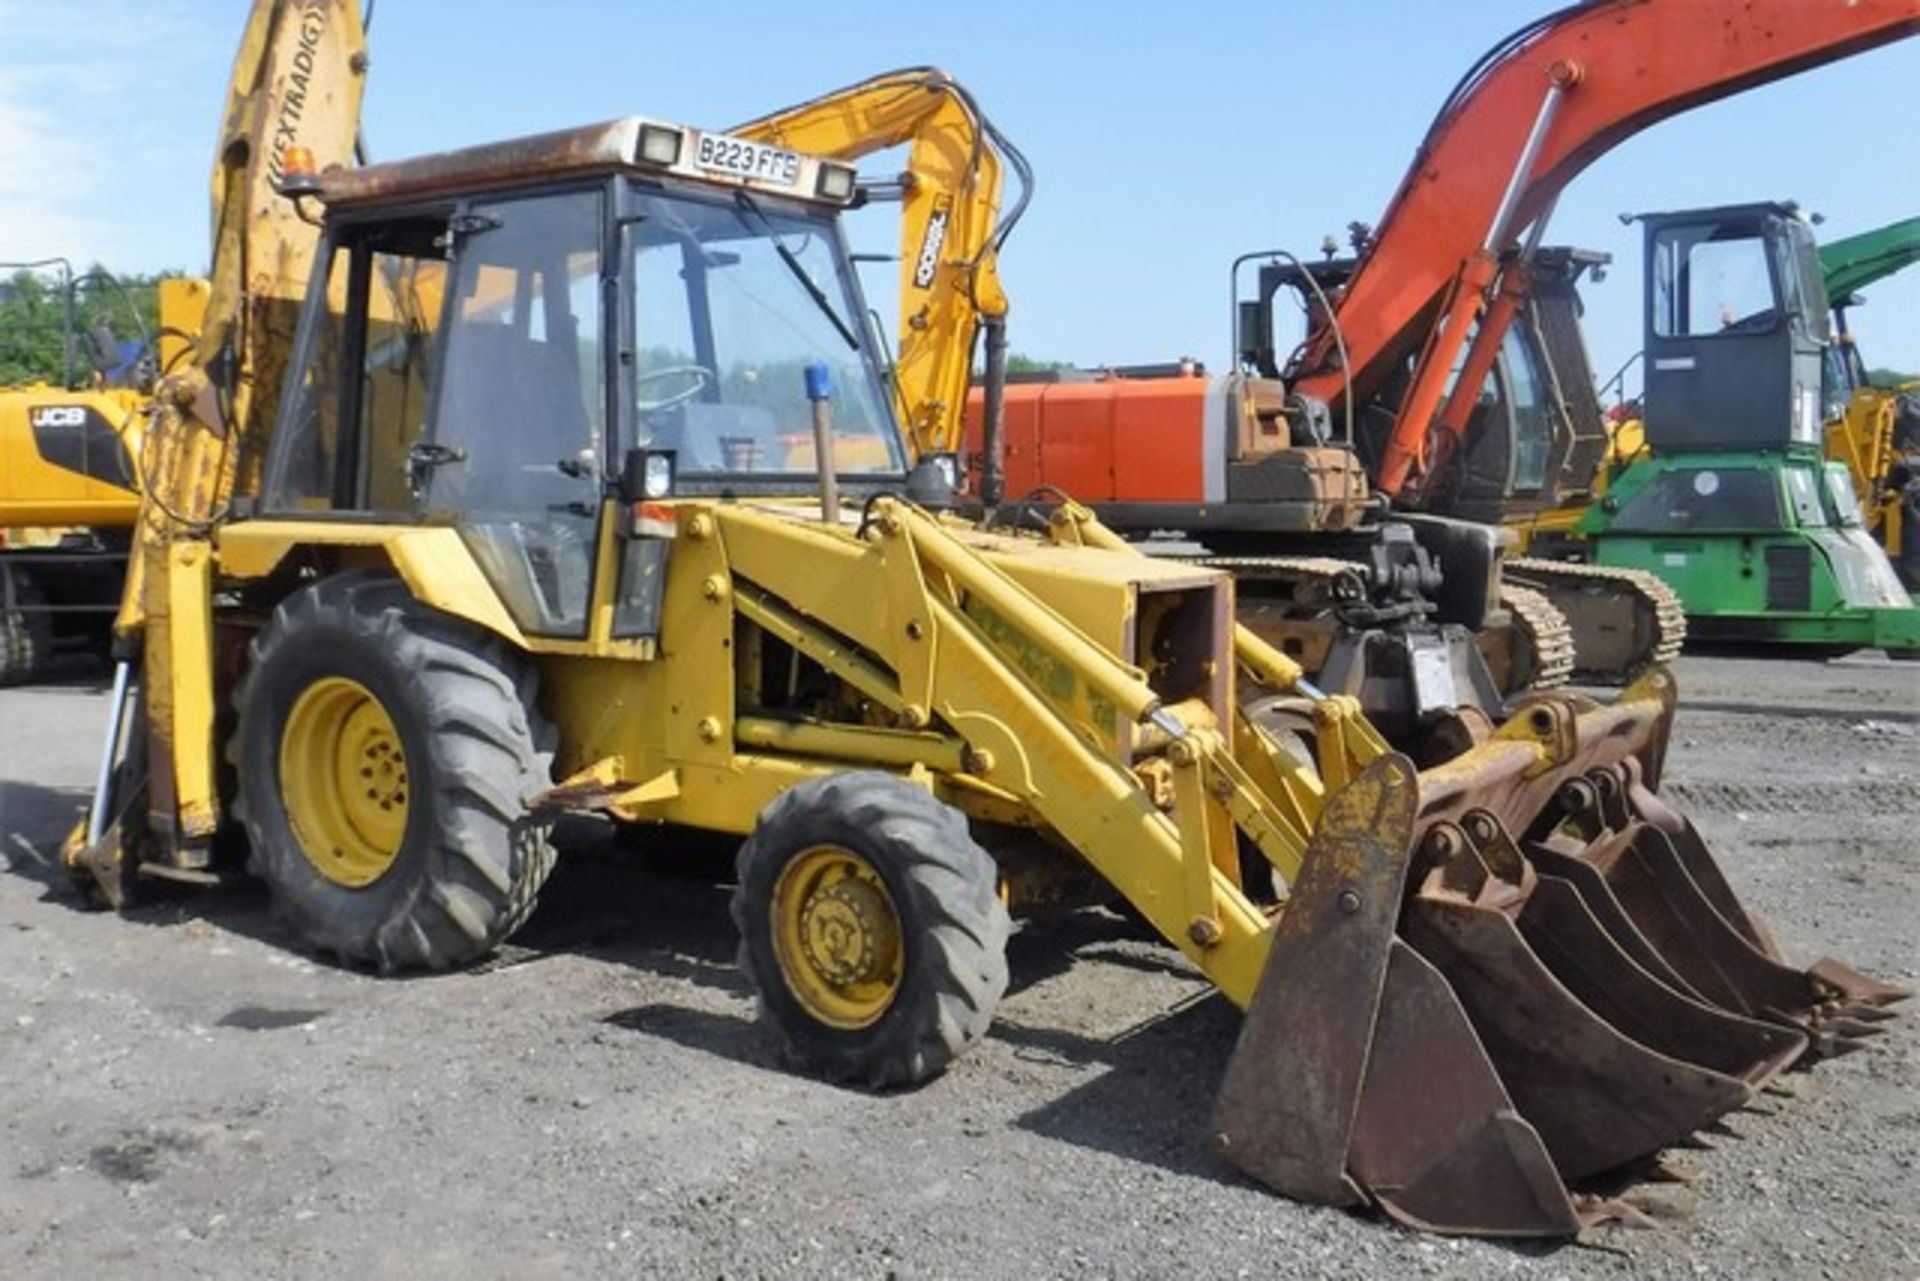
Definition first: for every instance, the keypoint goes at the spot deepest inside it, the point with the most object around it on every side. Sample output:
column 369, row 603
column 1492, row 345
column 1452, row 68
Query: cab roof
column 613, row 146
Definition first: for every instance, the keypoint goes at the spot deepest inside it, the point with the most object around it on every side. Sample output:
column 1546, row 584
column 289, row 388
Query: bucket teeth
column 1501, row 1016
column 1859, row 991
column 1598, row 1098
column 1562, row 930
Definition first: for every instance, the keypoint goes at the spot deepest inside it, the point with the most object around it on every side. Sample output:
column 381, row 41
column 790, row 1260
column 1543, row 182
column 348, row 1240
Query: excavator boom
column 294, row 95
column 1851, row 264
column 1525, row 120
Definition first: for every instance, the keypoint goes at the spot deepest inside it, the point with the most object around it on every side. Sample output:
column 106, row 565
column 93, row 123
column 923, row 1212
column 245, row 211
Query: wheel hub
column 847, row 927
column 837, row 936
column 343, row 779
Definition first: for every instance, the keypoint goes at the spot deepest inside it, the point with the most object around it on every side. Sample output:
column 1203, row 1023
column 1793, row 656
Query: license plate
column 744, row 159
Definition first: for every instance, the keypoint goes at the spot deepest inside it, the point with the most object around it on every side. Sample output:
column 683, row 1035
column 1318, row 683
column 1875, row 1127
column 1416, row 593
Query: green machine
column 1734, row 501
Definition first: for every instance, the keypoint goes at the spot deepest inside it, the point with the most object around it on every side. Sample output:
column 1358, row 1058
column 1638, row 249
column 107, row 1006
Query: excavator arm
column 295, row 91
column 1442, row 276
column 1851, row 264
column 295, row 88
column 950, row 226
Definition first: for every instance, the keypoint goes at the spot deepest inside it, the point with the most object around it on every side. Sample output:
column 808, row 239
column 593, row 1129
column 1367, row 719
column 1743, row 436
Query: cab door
column 515, row 454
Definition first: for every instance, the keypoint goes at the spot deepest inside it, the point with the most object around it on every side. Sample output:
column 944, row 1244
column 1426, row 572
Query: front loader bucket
column 1510, row 974
column 1357, row 1074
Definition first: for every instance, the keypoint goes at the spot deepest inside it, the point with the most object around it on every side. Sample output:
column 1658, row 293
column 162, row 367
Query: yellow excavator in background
column 951, row 230
column 1873, row 429
column 69, row 497
column 648, row 556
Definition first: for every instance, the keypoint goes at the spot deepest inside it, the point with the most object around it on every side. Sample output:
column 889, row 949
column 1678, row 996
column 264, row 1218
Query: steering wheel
column 699, row 379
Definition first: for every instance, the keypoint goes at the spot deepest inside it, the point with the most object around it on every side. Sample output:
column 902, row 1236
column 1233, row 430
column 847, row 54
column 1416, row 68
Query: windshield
column 733, row 302
column 1532, row 416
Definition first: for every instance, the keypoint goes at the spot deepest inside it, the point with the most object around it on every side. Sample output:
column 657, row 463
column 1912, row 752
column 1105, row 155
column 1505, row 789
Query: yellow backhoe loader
column 560, row 474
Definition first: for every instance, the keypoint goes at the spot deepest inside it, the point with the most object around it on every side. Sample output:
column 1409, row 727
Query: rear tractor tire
column 386, row 754
column 871, row 926
column 26, row 633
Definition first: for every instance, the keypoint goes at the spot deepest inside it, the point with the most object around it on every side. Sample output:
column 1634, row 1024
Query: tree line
column 64, row 327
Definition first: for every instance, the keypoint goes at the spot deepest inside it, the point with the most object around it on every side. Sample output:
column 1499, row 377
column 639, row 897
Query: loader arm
column 950, row 225
column 1445, row 922
column 1532, row 113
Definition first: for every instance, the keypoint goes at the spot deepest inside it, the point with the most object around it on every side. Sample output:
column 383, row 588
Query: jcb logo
column 59, row 416
column 930, row 243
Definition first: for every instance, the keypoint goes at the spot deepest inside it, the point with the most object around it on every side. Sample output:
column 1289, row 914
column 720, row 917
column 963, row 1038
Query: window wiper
column 788, row 257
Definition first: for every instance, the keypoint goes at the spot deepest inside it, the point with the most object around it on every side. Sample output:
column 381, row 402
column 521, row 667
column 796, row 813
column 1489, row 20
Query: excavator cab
column 1534, row 435
column 1736, row 505
column 1736, row 330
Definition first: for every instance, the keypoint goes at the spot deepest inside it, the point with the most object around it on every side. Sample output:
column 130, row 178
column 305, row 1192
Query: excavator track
column 1536, row 652
column 1623, row 621
column 1541, row 648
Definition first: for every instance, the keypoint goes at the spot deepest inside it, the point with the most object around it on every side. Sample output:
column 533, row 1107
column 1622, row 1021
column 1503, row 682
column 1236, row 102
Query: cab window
column 365, row 361
column 1712, row 279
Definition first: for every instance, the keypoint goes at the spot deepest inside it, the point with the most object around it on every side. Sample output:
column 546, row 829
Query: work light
column 659, row 145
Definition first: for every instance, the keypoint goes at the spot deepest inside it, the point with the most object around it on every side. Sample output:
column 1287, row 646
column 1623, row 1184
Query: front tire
column 386, row 754
column 871, row 927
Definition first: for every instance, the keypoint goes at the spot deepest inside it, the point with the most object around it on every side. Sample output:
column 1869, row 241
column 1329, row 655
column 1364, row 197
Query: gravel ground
column 183, row 1096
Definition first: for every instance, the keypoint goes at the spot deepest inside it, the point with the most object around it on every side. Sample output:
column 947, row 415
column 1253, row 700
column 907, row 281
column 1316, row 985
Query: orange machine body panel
column 1114, row 439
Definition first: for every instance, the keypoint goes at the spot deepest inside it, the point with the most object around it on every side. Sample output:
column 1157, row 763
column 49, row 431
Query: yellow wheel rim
column 343, row 779
column 836, row 934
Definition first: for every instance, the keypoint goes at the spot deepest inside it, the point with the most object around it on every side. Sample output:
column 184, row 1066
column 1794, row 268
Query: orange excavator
column 1285, row 466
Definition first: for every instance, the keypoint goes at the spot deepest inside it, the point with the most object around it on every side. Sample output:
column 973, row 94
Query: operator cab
column 509, row 339
column 1737, row 330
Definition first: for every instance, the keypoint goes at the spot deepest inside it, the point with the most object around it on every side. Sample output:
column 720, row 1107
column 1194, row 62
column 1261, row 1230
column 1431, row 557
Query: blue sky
column 1166, row 139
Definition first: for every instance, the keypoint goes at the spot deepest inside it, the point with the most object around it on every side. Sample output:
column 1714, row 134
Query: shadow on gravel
column 729, row 1036
column 33, row 821
column 658, row 906
column 73, row 672
column 1045, row 947
column 1154, row 1104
